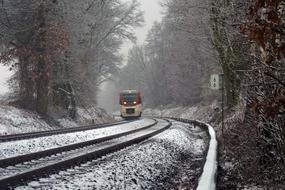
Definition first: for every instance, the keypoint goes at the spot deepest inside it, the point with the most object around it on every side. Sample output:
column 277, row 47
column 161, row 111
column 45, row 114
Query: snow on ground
column 198, row 112
column 14, row 148
column 84, row 116
column 92, row 114
column 65, row 122
column 170, row 160
column 14, row 120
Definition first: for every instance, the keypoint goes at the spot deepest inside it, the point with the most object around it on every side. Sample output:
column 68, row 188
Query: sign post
column 217, row 83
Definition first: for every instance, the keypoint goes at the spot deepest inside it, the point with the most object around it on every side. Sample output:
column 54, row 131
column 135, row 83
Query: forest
column 62, row 51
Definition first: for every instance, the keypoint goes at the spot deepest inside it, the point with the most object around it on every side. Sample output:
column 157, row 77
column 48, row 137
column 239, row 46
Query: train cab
column 130, row 104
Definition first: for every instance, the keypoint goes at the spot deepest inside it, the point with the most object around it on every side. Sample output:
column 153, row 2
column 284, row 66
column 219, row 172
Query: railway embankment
column 14, row 120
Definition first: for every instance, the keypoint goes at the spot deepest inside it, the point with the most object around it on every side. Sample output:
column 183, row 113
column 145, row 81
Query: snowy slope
column 14, row 120
column 204, row 113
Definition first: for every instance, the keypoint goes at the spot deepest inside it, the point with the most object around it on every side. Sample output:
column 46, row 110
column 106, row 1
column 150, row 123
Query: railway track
column 22, row 136
column 22, row 169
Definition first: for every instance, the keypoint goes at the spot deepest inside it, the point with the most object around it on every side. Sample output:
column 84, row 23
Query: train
column 130, row 104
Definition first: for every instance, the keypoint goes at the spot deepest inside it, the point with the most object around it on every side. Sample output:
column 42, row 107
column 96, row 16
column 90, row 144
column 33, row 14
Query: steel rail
column 70, row 161
column 36, row 155
column 22, row 136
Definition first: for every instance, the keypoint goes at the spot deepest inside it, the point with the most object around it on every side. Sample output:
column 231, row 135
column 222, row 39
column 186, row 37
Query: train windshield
column 129, row 97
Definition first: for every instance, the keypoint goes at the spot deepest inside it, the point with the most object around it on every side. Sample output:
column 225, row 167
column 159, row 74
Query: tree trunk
column 26, row 86
column 42, row 82
column 42, row 89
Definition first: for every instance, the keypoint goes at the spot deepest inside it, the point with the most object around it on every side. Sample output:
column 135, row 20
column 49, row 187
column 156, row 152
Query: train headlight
column 125, row 103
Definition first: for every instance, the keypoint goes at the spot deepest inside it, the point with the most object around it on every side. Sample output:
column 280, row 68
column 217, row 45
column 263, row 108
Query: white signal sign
column 216, row 82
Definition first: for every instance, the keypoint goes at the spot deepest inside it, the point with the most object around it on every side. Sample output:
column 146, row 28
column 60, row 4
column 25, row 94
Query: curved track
column 40, row 164
column 22, row 136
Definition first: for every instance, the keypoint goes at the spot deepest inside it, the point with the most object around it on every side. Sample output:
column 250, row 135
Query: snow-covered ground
column 96, row 114
column 14, row 148
column 14, row 120
column 199, row 112
column 170, row 160
column 86, row 116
